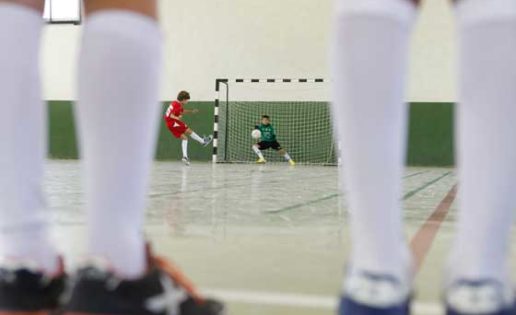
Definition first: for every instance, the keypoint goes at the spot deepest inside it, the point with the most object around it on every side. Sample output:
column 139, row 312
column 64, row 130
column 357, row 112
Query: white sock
column 370, row 57
column 287, row 157
column 196, row 137
column 23, row 225
column 184, row 146
column 486, row 130
column 257, row 151
column 118, row 111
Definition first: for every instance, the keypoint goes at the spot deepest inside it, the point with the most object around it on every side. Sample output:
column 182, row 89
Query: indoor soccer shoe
column 291, row 162
column 207, row 140
column 261, row 161
column 163, row 290
column 483, row 297
column 26, row 290
column 373, row 294
column 186, row 161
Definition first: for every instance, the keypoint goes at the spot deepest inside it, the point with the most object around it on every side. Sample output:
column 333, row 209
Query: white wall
column 432, row 68
column 256, row 38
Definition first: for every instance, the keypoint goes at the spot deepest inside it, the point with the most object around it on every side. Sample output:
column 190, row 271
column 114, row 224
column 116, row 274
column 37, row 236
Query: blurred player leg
column 258, row 152
column 27, row 255
column 286, row 156
column 118, row 111
column 370, row 56
column 23, row 223
column 487, row 151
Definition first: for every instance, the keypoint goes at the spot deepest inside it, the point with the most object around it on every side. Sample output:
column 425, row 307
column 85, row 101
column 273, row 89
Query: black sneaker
column 163, row 290
column 26, row 290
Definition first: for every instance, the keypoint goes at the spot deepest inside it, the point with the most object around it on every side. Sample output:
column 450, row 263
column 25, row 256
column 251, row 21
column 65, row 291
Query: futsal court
column 268, row 239
column 248, row 111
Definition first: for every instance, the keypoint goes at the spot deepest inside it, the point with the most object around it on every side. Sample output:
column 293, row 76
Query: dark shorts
column 264, row 145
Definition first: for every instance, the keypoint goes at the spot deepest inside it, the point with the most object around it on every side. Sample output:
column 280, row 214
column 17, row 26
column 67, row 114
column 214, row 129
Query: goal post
column 300, row 114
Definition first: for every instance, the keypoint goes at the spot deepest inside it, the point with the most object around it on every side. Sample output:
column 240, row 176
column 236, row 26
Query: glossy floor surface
column 268, row 239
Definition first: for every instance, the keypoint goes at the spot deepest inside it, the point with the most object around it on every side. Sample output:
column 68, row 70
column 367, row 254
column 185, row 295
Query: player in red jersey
column 178, row 128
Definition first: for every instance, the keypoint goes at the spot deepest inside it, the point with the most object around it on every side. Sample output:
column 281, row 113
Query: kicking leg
column 189, row 132
column 370, row 114
column 204, row 141
column 487, row 155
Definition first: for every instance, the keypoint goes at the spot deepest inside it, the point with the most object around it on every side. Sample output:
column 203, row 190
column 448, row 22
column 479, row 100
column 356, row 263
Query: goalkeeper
column 268, row 140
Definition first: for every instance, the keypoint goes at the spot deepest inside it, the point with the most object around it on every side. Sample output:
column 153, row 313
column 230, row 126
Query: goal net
column 299, row 111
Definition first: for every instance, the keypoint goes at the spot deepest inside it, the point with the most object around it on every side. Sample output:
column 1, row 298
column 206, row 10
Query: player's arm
column 273, row 132
column 191, row 111
column 171, row 114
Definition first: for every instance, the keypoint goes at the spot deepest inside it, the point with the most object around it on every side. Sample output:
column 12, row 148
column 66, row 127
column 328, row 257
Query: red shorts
column 177, row 128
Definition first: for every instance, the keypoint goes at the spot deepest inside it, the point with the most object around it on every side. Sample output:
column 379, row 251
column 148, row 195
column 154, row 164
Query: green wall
column 62, row 142
column 430, row 133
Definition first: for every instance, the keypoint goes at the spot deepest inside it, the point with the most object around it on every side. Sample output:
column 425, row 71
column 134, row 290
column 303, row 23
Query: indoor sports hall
column 268, row 238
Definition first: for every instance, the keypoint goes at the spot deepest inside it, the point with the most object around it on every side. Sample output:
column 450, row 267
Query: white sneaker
column 479, row 297
column 207, row 140
column 186, row 160
column 375, row 290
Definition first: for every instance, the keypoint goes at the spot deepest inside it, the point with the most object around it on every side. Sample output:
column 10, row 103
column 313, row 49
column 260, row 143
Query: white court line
column 301, row 300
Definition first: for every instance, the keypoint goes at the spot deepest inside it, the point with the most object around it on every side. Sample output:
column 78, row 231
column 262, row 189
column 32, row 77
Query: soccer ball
column 256, row 134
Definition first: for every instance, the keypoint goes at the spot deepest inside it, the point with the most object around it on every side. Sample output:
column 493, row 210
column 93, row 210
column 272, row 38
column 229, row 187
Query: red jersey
column 175, row 108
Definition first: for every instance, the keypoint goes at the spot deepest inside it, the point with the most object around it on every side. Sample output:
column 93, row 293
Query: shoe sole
column 28, row 312
column 348, row 306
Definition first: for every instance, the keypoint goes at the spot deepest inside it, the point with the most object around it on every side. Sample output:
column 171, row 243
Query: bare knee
column 145, row 7
column 37, row 5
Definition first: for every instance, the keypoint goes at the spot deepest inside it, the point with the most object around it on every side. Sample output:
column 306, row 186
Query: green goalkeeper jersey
column 267, row 131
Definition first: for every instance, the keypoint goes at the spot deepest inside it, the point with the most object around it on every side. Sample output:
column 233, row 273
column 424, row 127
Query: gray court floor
column 268, row 239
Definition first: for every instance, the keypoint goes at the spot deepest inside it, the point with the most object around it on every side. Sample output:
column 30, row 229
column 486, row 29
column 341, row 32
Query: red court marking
column 423, row 239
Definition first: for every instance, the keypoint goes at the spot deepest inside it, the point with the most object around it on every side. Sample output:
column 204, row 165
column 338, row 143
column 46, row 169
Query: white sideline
column 301, row 300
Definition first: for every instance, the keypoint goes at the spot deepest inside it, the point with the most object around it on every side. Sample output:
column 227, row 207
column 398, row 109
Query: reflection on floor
column 269, row 239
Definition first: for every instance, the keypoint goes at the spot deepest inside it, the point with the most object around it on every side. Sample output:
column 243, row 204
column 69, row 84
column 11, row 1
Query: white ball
column 256, row 134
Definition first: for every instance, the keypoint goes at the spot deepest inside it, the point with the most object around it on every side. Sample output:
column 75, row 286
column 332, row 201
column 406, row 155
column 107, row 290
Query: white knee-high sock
column 486, row 131
column 118, row 112
column 257, row 151
column 23, row 222
column 370, row 53
column 196, row 137
column 287, row 156
column 184, row 146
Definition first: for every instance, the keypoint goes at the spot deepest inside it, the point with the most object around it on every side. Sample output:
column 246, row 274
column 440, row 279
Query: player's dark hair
column 183, row 96
column 266, row 116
